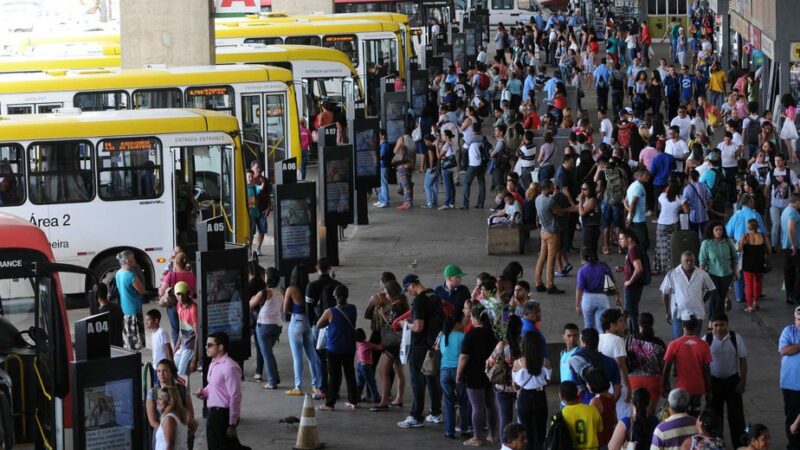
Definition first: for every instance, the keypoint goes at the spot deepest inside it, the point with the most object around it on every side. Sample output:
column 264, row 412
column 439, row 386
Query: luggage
column 682, row 241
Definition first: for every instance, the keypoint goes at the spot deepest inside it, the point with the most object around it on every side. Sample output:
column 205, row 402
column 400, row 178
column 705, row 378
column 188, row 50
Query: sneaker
column 560, row 274
column 428, row 206
column 257, row 377
column 443, row 207
column 383, row 205
column 410, row 422
column 317, row 394
column 568, row 268
column 554, row 290
column 434, row 419
column 294, row 392
column 379, row 205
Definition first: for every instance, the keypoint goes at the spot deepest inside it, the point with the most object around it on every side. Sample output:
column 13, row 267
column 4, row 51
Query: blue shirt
column 737, row 224
column 790, row 214
column 526, row 88
column 550, row 87
column 451, row 351
column 697, row 196
column 662, row 165
column 601, row 72
column 687, row 83
column 671, row 84
column 341, row 329
column 129, row 298
column 790, row 365
column 709, row 177
column 457, row 296
column 386, row 155
column 527, row 326
column 539, row 21
column 566, row 374
column 636, row 189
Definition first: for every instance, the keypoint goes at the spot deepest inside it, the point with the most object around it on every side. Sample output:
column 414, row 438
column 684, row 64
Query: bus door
column 203, row 186
column 264, row 128
column 382, row 59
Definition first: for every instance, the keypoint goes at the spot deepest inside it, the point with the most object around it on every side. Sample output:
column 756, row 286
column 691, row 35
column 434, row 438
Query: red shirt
column 532, row 122
column 692, row 355
column 646, row 35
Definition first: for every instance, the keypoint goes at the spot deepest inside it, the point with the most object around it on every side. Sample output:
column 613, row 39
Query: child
column 511, row 214
column 365, row 369
column 160, row 342
column 575, row 412
column 606, row 404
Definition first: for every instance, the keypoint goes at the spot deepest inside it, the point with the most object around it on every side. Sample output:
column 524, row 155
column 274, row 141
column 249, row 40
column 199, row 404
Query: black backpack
column 752, row 131
column 558, row 435
column 720, row 194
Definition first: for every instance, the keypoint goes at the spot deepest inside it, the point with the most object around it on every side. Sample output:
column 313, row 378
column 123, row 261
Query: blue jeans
column 473, row 172
column 673, row 49
column 268, row 335
column 182, row 361
column 454, row 393
column 449, row 188
column 304, row 155
column 593, row 306
column 717, row 98
column 775, row 216
column 738, row 288
column 383, row 194
column 259, row 356
column 431, row 187
column 365, row 377
column 174, row 322
column 300, row 341
column 633, row 294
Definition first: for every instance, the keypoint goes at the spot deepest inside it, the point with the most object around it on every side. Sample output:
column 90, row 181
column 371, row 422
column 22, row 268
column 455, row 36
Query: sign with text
column 367, row 159
column 295, row 226
column 92, row 338
column 336, row 182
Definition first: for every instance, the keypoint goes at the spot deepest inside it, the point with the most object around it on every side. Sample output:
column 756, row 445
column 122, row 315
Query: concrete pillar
column 303, row 6
column 174, row 32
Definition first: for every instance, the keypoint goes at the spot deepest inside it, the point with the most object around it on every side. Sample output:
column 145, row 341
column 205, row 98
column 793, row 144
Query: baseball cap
column 797, row 311
column 713, row 156
column 678, row 399
column 181, row 287
column 453, row 270
column 626, row 110
column 408, row 280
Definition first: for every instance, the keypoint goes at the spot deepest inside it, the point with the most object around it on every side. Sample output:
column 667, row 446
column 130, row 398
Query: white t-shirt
column 611, row 345
column 737, row 139
column 685, row 124
column 475, row 153
column 630, row 41
column 606, row 130
column 728, row 154
column 481, row 58
column 159, row 340
column 678, row 150
column 670, row 210
column 761, row 171
column 779, row 195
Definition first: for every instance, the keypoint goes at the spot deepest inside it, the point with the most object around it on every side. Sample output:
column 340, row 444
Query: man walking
column 789, row 349
column 426, row 323
column 602, row 80
column 633, row 270
column 683, row 291
column 130, row 288
column 692, row 356
column 670, row 434
column 223, row 394
column 790, row 240
column 636, row 203
column 728, row 375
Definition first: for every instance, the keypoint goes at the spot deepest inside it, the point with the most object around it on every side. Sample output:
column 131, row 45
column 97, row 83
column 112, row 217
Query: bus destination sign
column 129, row 145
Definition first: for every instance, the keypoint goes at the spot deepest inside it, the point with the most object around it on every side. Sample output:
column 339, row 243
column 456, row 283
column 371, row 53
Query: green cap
column 453, row 271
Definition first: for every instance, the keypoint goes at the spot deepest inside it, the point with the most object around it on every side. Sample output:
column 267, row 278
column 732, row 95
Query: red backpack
column 483, row 81
column 624, row 135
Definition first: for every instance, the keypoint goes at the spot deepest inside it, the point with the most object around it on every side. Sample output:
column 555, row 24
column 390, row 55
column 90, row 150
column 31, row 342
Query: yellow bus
column 100, row 182
column 261, row 97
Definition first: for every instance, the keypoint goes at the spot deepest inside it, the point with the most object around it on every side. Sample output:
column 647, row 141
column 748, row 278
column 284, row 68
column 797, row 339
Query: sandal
column 349, row 405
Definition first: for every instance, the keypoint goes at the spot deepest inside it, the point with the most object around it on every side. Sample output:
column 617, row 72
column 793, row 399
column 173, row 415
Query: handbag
column 449, row 162
column 498, row 373
column 389, row 337
column 609, row 288
column 433, row 360
column 322, row 339
column 168, row 299
column 398, row 159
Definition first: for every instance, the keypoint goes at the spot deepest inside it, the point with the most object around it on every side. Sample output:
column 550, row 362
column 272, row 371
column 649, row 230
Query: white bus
column 101, row 182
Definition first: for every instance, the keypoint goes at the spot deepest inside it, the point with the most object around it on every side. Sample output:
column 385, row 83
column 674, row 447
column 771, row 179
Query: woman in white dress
column 173, row 432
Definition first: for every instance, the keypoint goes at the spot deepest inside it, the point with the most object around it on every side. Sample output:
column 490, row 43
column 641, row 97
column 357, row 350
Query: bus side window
column 347, row 43
column 12, row 191
column 303, row 40
column 60, row 172
column 101, row 101
column 215, row 98
column 264, row 40
column 157, row 98
column 129, row 169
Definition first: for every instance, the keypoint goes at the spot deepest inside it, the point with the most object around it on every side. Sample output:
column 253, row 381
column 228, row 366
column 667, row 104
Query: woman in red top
column 605, row 403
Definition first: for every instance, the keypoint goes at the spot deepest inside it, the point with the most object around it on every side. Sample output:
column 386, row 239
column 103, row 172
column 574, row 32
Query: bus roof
column 115, row 78
column 246, row 30
column 31, row 127
column 277, row 16
column 280, row 53
column 19, row 233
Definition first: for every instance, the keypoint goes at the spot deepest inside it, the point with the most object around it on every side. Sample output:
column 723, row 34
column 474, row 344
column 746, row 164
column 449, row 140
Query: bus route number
column 289, row 166
column 216, row 227
column 48, row 222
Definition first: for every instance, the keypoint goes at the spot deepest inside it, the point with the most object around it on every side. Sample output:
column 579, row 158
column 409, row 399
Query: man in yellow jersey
column 583, row 421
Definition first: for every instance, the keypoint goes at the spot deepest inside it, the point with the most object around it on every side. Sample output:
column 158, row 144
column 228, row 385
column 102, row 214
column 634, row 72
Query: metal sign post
column 336, row 191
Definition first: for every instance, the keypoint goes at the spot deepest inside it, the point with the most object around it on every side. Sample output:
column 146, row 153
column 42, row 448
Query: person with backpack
column 751, row 129
column 476, row 166
column 425, row 323
column 602, row 78
column 583, row 437
column 614, row 182
column 319, row 298
column 781, row 183
column 728, row 375
column 683, row 291
column 617, row 83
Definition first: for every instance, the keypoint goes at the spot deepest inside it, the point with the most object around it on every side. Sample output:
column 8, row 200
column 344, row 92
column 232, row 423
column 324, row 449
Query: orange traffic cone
column 307, row 437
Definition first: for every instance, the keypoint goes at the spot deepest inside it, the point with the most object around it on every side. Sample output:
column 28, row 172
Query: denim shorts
column 261, row 224
column 611, row 216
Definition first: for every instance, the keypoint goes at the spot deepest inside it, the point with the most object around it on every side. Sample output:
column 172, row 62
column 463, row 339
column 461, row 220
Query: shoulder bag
column 498, row 373
column 433, row 360
column 169, row 299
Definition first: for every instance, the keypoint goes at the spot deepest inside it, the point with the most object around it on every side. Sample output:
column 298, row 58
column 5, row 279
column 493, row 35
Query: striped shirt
column 670, row 434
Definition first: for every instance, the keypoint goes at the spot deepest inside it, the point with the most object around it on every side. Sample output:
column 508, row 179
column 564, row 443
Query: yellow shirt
column 717, row 81
column 584, row 423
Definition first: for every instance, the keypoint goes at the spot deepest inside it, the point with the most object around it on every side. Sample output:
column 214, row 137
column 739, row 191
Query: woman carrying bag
column 499, row 371
column 340, row 321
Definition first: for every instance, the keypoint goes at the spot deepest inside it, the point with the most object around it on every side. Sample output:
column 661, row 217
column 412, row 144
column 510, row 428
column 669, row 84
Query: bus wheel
column 105, row 270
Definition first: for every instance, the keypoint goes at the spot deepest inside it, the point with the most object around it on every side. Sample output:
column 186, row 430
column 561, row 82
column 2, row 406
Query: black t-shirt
column 426, row 306
column 114, row 322
column 478, row 344
column 319, row 295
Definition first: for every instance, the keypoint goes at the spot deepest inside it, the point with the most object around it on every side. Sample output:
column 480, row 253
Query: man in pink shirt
column 223, row 394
